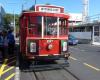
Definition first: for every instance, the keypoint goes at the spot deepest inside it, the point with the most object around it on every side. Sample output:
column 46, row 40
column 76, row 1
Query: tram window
column 50, row 26
column 35, row 25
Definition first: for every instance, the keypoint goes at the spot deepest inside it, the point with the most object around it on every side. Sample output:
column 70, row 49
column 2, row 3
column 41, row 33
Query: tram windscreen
column 50, row 26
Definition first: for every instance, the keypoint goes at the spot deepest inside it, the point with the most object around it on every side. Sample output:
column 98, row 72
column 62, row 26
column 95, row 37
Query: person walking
column 11, row 42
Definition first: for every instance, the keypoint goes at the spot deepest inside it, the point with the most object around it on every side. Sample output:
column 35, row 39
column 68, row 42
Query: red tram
column 44, row 33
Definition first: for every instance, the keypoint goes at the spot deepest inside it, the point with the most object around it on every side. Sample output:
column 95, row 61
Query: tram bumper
column 50, row 57
column 59, row 61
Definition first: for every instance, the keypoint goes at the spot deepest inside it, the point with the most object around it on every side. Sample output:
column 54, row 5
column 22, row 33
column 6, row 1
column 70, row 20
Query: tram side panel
column 23, row 34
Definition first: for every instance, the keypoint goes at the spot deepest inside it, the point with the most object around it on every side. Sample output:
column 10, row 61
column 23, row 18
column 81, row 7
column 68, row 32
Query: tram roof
column 37, row 13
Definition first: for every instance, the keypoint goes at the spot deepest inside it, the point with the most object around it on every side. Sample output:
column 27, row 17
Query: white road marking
column 86, row 64
column 97, row 69
column 83, row 50
column 90, row 66
column 72, row 58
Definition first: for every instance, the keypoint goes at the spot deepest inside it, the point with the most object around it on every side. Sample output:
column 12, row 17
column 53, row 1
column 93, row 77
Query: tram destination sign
column 49, row 8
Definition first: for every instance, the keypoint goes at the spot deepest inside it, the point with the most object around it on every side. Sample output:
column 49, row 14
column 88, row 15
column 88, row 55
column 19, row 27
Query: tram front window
column 50, row 26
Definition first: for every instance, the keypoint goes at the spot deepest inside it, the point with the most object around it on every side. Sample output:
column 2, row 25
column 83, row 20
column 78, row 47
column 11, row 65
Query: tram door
column 96, row 34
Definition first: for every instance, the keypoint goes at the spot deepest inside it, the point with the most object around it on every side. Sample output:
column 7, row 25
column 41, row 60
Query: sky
column 70, row 6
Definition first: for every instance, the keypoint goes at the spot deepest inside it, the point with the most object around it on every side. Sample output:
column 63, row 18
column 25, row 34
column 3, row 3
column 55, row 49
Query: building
column 75, row 19
column 85, row 32
column 2, row 13
column 77, row 29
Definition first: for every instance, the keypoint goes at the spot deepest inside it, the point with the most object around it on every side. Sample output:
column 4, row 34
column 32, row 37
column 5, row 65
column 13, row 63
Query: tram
column 44, row 33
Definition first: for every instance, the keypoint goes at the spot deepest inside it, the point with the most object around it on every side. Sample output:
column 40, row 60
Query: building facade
column 77, row 29
column 75, row 19
column 89, row 32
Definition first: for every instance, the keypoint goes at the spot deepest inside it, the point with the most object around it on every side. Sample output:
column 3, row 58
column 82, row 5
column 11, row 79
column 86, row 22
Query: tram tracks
column 36, row 75
column 56, row 74
column 71, row 73
column 48, row 72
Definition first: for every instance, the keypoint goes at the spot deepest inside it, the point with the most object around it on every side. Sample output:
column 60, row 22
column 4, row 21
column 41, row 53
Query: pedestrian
column 1, row 47
column 5, row 44
column 11, row 42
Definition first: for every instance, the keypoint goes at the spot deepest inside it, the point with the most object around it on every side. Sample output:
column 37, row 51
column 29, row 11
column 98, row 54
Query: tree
column 9, row 18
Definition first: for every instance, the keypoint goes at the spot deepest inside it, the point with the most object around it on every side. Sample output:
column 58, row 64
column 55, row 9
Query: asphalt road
column 85, row 61
column 56, row 74
column 84, row 64
column 46, row 73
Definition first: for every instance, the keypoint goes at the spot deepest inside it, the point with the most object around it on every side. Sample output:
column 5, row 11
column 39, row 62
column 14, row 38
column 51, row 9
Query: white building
column 75, row 19
column 89, row 32
column 77, row 30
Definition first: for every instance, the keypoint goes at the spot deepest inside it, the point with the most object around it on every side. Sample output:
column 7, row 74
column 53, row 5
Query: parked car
column 72, row 40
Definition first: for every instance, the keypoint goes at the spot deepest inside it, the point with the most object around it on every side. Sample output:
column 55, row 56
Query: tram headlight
column 50, row 46
column 32, row 47
column 64, row 46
